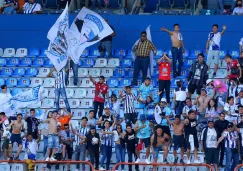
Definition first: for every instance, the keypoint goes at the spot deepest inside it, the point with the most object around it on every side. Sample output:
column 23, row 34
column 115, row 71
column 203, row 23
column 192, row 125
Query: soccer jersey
column 214, row 39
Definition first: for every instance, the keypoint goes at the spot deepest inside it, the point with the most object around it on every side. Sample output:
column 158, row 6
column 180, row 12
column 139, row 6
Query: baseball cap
column 92, row 127
column 209, row 81
column 142, row 117
column 230, row 125
column 163, row 100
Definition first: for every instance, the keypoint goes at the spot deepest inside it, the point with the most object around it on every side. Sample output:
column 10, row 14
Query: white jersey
column 214, row 39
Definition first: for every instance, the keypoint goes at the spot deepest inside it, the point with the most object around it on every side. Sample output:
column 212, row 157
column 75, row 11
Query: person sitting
column 31, row 8
column 238, row 10
column 10, row 7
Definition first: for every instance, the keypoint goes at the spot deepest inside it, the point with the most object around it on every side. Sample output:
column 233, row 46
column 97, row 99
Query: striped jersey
column 59, row 79
column 83, row 131
column 30, row 8
column 231, row 139
column 128, row 100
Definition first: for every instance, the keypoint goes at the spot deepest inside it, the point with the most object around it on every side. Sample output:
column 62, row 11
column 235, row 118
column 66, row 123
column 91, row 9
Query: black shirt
column 191, row 128
column 32, row 126
column 131, row 140
column 89, row 137
column 240, row 60
column 221, row 125
column 105, row 117
column 108, row 38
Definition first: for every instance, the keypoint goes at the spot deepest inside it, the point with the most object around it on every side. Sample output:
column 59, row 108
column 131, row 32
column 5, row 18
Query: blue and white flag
column 23, row 100
column 58, row 35
column 87, row 29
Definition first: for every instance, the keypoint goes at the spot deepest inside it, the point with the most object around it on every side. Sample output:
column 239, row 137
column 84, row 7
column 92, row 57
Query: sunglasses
column 66, row 128
column 143, row 35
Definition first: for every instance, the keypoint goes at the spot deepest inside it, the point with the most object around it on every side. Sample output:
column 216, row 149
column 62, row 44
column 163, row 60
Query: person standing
column 106, row 44
column 198, row 75
column 142, row 50
column 101, row 89
column 213, row 47
column 179, row 99
column 64, row 119
column 164, row 76
column 188, row 107
column 6, row 134
column 32, row 124
column 4, row 98
column 74, row 67
column 177, row 48
column 146, row 89
column 233, row 67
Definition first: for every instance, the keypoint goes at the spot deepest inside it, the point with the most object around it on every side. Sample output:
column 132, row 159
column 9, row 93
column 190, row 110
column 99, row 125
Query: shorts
column 15, row 138
column 131, row 117
column 193, row 87
column 69, row 151
column 178, row 141
column 5, row 144
column 213, row 57
column 146, row 142
column 212, row 155
column 188, row 146
column 53, row 141
column 156, row 151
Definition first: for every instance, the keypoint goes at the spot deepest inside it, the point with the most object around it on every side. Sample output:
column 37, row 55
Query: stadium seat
column 69, row 92
column 21, row 52
column 223, row 64
column 164, row 3
column 155, row 65
column 43, row 72
column 184, row 73
column 36, row 81
column 1, row 52
column 48, row 63
column 208, row 12
column 129, row 73
column 49, row 82
column 119, row 72
column 135, row 92
column 113, row 62
column 109, row 93
column 86, row 103
column 51, row 93
column 94, row 72
column 222, row 53
column 154, row 82
column 24, row 82
column 107, row 72
column 31, row 72
column 86, row 83
column 11, row 82
column 74, row 103
column 6, row 72
column 90, row 93
column 186, row 54
column 25, row 62
column 94, row 53
column 172, row 92
column 116, row 92
column 35, row 105
column 61, row 103
column 113, row 82
column 33, row 52
column 3, row 62
column 18, row 72
column 125, row 82
column 44, row 93
column 159, row 53
column 126, row 63
column 75, row 123
column 120, row 53
column 129, row 54
column 221, row 73
column 101, row 62
column 83, row 72
column 9, row 52
column 88, row 63
column 194, row 53
column 80, row 93
column 12, row 62
column 38, row 62
column 16, row 91
column 48, row 103
column 85, row 53
column 78, row 113
column 173, row 83
column 234, row 53
column 187, row 63
column 43, row 52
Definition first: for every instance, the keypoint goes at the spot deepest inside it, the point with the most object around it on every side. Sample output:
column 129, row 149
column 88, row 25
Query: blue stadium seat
column 116, row 92
column 208, row 12
column 3, row 62
column 168, row 51
column 6, row 72
column 16, row 91
column 186, row 54
column 120, row 53
column 12, row 62
column 222, row 53
column 155, row 65
column 48, row 63
column 179, row 4
column 18, row 72
column 119, row 72
column 94, row 53
column 43, row 52
column 50, row 4
column 126, row 63
column 25, row 62
column 114, row 3
column 11, row 82
column 187, row 63
column 2, row 81
column 234, row 53
column 31, row 72
column 173, row 83
column 24, row 82
column 38, row 62
column 88, row 63
column 129, row 54
column 125, row 82
column 33, row 52
column 159, row 53
column 159, row 12
column 150, row 6
column 129, row 73
column 85, row 53
column 154, row 82
column 194, row 53
column 156, row 73
column 113, row 82
column 184, row 73
column 165, row 3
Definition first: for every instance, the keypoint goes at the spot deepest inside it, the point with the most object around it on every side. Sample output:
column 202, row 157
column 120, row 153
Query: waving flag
column 87, row 29
column 58, row 35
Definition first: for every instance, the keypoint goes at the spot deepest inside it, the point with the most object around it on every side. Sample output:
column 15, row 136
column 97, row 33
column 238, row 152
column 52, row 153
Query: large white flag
column 149, row 37
column 22, row 100
column 58, row 35
column 87, row 29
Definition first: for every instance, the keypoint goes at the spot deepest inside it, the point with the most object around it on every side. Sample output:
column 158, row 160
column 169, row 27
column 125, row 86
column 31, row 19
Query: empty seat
column 83, row 72
column 33, row 52
column 1, row 52
column 43, row 72
column 135, row 92
column 94, row 72
column 35, row 105
column 126, row 63
column 47, row 103
column 3, row 62
column 85, row 53
column 78, row 113
column 129, row 73
column 129, row 54
column 222, row 53
column 16, row 91
column 6, row 72
column 125, row 82
column 113, row 62
column 49, row 82
column 9, row 52
column 90, row 93
column 80, row 93
column 221, row 73
column 24, row 82
column 70, row 92
column 101, row 62
column 107, row 72
column 86, row 83
column 94, row 53
column 2, row 81
column 75, row 123
column 154, row 82
column 38, row 62
column 48, row 63
column 194, row 53
column 25, row 62
column 120, row 52
column 12, row 62
column 36, row 81
column 11, row 82
column 88, row 62
column 31, row 72
column 43, row 52
column 44, row 93
column 86, row 103
column 234, row 53
column 187, row 63
column 18, row 72
column 21, row 52
column 184, row 73
column 52, row 93
column 74, row 103
column 113, row 82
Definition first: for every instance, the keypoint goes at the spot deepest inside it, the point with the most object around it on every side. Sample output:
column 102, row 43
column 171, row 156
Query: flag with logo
column 22, row 100
column 58, row 35
column 87, row 29
column 149, row 37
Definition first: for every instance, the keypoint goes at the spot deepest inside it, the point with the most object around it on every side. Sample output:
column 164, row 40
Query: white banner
column 22, row 100
column 58, row 35
column 87, row 29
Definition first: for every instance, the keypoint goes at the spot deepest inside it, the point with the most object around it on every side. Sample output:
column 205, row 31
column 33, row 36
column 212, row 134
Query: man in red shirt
column 101, row 90
column 164, row 77
column 233, row 67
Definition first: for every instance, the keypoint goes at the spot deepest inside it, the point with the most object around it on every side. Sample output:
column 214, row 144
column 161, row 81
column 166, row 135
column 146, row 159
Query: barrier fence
column 238, row 167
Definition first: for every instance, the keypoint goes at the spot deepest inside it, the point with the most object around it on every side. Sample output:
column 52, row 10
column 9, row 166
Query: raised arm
column 152, row 143
column 224, row 29
column 91, row 79
column 167, row 31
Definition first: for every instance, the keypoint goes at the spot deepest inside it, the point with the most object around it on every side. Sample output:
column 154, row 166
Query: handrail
column 161, row 164
column 238, row 166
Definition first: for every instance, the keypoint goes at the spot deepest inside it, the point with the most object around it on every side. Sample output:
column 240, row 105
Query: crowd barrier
column 238, row 167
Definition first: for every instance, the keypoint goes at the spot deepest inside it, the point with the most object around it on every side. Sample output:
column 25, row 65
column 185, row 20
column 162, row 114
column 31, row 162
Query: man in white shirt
column 238, row 10
column 32, row 8
column 213, row 47
column 188, row 107
column 179, row 97
column 4, row 98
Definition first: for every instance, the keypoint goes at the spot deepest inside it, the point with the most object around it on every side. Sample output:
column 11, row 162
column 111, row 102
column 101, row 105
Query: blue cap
column 142, row 117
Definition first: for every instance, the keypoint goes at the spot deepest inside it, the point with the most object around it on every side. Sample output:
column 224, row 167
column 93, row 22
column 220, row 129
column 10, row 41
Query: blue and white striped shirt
column 107, row 139
column 231, row 139
column 59, row 79
column 83, row 131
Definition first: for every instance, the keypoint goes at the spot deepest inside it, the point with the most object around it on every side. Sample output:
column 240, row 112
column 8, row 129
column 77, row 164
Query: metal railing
column 238, row 167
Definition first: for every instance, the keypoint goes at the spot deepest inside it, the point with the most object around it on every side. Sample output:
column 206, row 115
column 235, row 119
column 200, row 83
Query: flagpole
column 69, row 69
